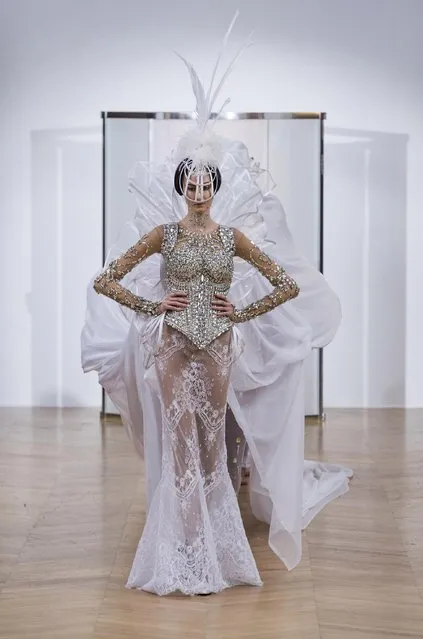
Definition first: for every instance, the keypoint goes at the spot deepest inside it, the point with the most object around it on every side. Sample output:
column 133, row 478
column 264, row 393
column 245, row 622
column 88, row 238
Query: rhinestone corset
column 199, row 265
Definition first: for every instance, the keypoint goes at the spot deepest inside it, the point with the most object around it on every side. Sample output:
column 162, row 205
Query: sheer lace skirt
column 194, row 540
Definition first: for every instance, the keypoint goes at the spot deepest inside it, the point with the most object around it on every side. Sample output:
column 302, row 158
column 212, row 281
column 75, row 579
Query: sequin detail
column 200, row 265
column 107, row 282
column 285, row 286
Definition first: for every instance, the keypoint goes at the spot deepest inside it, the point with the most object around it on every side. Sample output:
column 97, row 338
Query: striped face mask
column 198, row 184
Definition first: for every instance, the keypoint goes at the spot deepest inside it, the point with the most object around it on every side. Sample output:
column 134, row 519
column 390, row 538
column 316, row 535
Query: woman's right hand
column 173, row 302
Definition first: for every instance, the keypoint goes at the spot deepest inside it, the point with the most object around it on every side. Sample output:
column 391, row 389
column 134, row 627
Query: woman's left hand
column 222, row 306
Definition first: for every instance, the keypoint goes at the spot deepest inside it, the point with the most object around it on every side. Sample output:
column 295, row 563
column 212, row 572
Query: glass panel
column 127, row 141
column 289, row 149
column 294, row 162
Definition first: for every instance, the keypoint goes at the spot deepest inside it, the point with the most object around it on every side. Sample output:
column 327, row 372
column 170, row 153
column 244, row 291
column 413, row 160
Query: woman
column 194, row 540
column 188, row 369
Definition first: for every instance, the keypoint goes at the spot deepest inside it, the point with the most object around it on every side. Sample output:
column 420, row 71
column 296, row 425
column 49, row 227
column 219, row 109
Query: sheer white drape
column 265, row 383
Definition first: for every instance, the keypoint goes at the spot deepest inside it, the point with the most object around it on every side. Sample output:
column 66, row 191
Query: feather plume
column 201, row 144
column 198, row 90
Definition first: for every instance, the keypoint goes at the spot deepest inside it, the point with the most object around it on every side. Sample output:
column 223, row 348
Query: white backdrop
column 64, row 61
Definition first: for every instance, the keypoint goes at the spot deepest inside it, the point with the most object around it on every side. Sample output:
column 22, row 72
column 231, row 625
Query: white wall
column 63, row 61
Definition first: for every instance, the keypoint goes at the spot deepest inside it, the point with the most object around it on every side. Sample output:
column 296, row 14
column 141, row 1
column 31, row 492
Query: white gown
column 198, row 544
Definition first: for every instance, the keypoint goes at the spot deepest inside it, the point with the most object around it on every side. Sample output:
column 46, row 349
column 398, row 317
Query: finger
column 221, row 297
column 175, row 306
column 227, row 309
column 177, row 297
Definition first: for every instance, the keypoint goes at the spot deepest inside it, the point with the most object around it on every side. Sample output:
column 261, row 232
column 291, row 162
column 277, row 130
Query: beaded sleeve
column 285, row 288
column 107, row 282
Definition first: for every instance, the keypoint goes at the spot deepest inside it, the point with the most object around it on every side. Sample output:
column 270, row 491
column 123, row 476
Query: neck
column 198, row 220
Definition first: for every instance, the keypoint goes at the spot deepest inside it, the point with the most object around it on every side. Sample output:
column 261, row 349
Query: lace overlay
column 194, row 539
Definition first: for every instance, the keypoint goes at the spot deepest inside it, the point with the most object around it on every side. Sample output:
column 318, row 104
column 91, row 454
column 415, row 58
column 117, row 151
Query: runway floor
column 72, row 510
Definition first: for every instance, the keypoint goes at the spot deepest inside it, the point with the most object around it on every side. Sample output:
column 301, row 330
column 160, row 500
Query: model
column 201, row 358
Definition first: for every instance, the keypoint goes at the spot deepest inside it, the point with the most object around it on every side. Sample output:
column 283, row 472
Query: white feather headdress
column 201, row 145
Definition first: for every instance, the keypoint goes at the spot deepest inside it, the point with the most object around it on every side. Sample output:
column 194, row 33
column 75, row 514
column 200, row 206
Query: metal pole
column 104, row 117
column 321, row 247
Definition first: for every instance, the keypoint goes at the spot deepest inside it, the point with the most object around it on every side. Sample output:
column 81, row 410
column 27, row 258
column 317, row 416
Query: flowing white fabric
column 264, row 385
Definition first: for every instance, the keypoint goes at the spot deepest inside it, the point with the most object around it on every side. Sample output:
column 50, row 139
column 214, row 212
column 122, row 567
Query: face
column 198, row 192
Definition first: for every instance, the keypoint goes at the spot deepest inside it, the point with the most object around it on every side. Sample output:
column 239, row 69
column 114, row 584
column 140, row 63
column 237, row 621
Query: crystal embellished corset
column 199, row 265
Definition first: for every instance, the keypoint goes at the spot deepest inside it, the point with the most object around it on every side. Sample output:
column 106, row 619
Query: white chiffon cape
column 266, row 393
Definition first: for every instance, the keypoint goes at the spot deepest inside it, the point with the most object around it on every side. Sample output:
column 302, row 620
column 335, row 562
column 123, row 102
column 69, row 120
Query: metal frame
column 228, row 115
column 190, row 115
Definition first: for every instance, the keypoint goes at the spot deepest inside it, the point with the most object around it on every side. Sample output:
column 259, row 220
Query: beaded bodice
column 200, row 265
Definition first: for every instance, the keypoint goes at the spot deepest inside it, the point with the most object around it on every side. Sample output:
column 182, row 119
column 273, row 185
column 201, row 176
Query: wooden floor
column 72, row 509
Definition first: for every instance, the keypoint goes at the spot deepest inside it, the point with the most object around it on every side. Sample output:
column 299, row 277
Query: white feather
column 198, row 90
column 201, row 144
column 222, row 49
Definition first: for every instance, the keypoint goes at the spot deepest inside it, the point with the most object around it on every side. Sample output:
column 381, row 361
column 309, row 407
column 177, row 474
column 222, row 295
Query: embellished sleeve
column 285, row 288
column 107, row 282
